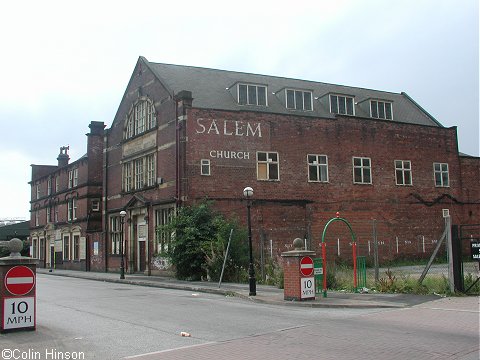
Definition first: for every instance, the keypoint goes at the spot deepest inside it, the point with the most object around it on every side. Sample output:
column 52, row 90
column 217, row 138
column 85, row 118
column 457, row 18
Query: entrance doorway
column 140, row 243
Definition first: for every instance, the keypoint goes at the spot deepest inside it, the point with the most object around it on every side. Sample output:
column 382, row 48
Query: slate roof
column 212, row 89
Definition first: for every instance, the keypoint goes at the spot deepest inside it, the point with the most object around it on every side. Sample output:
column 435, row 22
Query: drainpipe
column 184, row 98
column 177, row 156
column 105, row 192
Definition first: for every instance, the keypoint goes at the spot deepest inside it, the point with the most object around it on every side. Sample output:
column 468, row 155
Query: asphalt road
column 96, row 320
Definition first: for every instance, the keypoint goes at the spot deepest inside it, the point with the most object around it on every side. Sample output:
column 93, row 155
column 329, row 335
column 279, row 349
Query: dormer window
column 341, row 104
column 140, row 118
column 381, row 109
column 299, row 99
column 252, row 94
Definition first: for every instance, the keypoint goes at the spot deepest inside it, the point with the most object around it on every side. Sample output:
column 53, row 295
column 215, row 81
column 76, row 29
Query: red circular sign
column 19, row 280
column 306, row 266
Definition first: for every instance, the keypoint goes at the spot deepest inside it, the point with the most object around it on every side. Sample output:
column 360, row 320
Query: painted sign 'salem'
column 228, row 127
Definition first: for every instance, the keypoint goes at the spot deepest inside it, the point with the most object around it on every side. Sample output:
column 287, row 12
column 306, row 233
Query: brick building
column 308, row 149
column 66, row 206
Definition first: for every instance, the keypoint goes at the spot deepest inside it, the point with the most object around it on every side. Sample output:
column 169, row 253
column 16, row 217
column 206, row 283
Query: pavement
column 265, row 294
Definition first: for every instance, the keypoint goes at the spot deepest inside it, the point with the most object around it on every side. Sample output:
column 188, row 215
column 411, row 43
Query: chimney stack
column 63, row 157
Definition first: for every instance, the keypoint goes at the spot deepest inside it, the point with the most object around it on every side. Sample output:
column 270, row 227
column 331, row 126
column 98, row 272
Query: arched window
column 140, row 118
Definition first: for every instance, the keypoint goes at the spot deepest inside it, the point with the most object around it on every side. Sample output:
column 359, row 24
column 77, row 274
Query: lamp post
column 123, row 213
column 248, row 193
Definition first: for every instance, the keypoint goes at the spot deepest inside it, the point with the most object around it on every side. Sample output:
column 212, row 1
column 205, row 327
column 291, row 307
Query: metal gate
column 466, row 243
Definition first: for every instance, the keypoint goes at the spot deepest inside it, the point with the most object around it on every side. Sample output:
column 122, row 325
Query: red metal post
column 324, row 266
column 354, row 247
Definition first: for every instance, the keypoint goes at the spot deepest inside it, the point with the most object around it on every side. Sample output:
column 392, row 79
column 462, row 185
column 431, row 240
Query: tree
column 199, row 243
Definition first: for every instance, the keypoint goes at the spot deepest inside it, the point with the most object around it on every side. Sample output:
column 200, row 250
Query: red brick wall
column 410, row 216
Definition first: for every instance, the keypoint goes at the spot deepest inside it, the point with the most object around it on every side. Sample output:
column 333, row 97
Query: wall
column 405, row 216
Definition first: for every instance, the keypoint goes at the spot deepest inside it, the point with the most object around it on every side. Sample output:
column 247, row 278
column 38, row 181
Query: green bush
column 199, row 244
column 469, row 280
column 273, row 274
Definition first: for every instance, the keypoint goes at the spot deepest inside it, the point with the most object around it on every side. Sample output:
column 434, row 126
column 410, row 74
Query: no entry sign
column 19, row 280
column 306, row 266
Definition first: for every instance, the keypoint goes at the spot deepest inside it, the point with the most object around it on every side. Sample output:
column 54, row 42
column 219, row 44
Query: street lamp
column 123, row 213
column 248, row 193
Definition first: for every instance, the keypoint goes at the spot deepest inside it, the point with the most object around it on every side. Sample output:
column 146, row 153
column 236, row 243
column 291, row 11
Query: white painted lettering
column 227, row 154
column 202, row 127
column 249, row 129
column 239, row 128
column 242, row 128
column 225, row 132
column 213, row 127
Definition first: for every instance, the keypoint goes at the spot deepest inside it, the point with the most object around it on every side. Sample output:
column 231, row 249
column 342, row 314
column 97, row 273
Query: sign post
column 17, row 290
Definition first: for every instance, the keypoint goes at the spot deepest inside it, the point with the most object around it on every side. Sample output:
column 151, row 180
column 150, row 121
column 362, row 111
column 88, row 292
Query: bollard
column 17, row 290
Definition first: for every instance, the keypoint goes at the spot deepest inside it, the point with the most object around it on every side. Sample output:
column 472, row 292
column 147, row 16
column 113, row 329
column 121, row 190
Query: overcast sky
column 64, row 63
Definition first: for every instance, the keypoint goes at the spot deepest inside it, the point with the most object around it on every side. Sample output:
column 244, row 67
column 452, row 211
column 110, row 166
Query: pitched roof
column 212, row 89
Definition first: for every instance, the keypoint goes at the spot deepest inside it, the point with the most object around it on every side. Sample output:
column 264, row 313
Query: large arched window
column 140, row 118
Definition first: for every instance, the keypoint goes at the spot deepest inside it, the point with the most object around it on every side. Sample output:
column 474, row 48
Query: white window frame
column 402, row 169
column 295, row 105
column 57, row 184
column 76, row 247
column 362, row 167
column 37, row 190
column 151, row 173
column 35, row 242
column 75, row 177
column 72, row 178
column 49, row 186
column 37, row 217
column 205, row 167
column 318, row 166
column 269, row 164
column 72, row 209
column 381, row 105
column 128, row 176
column 441, row 169
column 95, row 205
column 115, row 234
column 67, row 247
column 141, row 118
column 248, row 89
column 139, row 173
column 345, row 99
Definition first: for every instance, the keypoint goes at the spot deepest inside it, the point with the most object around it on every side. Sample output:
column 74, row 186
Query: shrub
column 199, row 244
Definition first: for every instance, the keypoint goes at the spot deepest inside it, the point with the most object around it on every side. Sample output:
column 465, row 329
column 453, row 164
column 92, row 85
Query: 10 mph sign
column 17, row 307
column 19, row 280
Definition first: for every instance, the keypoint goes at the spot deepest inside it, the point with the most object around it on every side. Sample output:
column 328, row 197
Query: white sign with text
column 307, row 288
column 18, row 312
